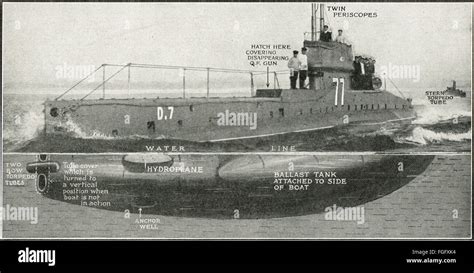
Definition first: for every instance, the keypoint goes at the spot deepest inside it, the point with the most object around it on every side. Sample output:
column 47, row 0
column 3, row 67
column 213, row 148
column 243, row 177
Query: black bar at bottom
column 339, row 253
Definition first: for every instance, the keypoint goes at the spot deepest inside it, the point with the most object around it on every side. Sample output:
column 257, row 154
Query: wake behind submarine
column 223, row 186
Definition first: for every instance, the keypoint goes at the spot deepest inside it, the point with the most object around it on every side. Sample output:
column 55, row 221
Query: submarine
column 453, row 91
column 222, row 186
column 335, row 96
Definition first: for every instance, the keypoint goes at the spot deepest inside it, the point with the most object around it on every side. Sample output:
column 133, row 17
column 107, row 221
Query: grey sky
column 39, row 37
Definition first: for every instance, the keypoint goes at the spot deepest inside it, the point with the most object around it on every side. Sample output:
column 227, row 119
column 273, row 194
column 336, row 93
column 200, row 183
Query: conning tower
column 330, row 60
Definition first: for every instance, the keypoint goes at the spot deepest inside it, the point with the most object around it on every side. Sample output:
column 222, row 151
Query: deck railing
column 208, row 70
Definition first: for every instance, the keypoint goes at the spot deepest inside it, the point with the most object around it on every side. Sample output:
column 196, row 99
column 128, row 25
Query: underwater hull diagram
column 223, row 186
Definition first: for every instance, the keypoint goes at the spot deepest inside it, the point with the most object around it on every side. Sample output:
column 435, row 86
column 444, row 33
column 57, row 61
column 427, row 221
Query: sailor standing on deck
column 359, row 72
column 294, row 65
column 303, row 67
column 341, row 38
column 326, row 35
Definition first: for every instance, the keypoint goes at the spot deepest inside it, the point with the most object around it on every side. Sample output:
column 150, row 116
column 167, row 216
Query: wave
column 427, row 115
column 23, row 127
column 425, row 136
column 75, row 131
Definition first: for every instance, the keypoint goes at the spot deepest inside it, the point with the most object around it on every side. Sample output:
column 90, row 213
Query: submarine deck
column 173, row 101
column 262, row 95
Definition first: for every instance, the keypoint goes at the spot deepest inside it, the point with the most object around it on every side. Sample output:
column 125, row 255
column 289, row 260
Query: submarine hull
column 223, row 119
